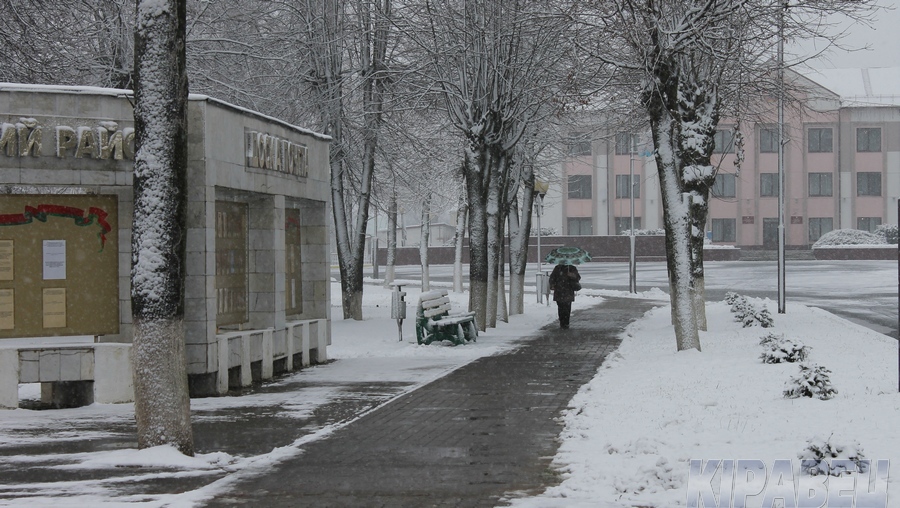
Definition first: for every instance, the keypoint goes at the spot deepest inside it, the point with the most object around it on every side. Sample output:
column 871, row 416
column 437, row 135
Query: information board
column 59, row 265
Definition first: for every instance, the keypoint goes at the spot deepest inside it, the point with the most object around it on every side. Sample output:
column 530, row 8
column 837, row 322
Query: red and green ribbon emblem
column 94, row 215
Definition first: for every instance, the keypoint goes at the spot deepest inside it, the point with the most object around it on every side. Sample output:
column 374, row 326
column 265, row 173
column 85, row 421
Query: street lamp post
column 781, row 141
column 632, row 262
column 540, row 189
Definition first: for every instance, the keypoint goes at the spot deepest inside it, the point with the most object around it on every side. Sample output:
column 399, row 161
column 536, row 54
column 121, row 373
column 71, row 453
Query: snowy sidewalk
column 88, row 456
column 484, row 432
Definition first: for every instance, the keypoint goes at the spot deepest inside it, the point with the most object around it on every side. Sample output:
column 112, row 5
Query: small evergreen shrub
column 820, row 455
column 888, row 232
column 644, row 232
column 848, row 237
column 764, row 318
column 777, row 349
column 812, row 381
column 746, row 314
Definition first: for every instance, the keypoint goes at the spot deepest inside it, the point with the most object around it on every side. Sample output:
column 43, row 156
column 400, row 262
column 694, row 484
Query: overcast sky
column 883, row 38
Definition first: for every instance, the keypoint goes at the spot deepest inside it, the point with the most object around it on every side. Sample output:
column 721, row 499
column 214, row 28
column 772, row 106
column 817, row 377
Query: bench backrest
column 434, row 303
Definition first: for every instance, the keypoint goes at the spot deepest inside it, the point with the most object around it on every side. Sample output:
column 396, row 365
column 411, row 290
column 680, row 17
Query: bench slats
column 434, row 321
column 437, row 311
column 454, row 320
column 427, row 304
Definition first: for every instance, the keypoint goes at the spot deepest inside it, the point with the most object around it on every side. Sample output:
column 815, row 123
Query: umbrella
column 568, row 256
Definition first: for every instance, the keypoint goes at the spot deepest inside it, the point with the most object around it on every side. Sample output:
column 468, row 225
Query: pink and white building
column 842, row 169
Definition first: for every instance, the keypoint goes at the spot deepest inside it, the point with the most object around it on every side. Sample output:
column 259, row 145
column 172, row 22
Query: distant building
column 842, row 169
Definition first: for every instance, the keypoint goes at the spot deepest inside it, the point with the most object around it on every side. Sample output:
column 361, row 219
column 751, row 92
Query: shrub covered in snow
column 822, row 457
column 746, row 313
column 848, row 237
column 888, row 232
column 812, row 381
column 777, row 349
column 644, row 232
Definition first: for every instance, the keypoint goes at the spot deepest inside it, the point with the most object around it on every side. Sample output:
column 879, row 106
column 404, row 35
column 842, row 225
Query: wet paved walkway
column 484, row 432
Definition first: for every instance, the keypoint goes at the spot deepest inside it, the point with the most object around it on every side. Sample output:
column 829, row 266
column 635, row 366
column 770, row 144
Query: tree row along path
column 484, row 432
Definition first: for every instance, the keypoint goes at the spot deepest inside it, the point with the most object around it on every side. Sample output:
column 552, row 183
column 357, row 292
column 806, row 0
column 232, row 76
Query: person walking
column 564, row 281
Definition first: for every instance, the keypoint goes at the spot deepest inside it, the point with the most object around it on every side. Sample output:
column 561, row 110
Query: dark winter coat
column 562, row 282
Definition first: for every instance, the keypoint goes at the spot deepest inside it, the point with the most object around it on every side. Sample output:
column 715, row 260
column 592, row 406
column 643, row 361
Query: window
column 723, row 230
column 580, row 226
column 819, row 141
column 293, row 263
column 768, row 140
column 623, row 190
column 868, row 223
column 820, row 184
column 818, row 226
column 623, row 224
column 868, row 184
column 624, row 143
column 579, row 144
column 723, row 186
column 723, row 141
column 868, row 139
column 579, row 186
column 768, row 184
column 232, row 300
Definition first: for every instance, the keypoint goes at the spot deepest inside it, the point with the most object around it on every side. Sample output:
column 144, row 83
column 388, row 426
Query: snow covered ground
column 628, row 440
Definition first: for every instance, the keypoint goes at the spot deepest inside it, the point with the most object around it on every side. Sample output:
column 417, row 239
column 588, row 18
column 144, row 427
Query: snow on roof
column 877, row 86
column 117, row 92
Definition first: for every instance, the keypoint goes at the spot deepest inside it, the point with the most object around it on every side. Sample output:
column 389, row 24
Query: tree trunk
column 478, row 252
column 520, row 233
column 676, row 210
column 161, row 401
column 461, row 213
column 423, row 242
column 391, row 240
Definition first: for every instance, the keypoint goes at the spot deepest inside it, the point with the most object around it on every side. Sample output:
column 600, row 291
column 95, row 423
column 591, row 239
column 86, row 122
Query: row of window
column 579, row 186
column 584, row 226
column 724, row 230
column 819, row 185
column 818, row 140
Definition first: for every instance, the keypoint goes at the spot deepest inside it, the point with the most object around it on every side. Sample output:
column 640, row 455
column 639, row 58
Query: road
column 864, row 292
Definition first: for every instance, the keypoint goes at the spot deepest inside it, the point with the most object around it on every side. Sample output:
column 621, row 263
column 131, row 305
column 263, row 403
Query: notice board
column 59, row 265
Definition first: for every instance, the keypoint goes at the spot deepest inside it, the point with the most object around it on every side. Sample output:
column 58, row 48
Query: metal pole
column 632, row 264
column 540, row 289
column 781, row 160
column 540, row 259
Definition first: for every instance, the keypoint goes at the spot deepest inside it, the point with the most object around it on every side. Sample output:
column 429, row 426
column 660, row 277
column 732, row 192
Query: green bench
column 434, row 322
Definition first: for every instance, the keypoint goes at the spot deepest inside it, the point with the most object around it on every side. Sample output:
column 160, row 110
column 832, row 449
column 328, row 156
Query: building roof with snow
column 877, row 86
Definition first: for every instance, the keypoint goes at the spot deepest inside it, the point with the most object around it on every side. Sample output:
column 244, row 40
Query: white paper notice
column 54, row 259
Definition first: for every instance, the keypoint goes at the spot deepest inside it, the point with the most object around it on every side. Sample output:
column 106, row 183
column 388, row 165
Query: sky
column 628, row 439
column 883, row 38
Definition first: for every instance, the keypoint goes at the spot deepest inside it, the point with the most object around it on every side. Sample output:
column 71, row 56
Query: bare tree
column 497, row 65
column 162, row 404
column 684, row 55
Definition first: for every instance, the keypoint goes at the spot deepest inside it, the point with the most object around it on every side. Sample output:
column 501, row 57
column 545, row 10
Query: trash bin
column 542, row 285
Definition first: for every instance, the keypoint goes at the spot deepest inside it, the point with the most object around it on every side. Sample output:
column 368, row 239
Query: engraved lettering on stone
column 8, row 137
column 87, row 144
column 29, row 134
column 277, row 154
column 65, row 140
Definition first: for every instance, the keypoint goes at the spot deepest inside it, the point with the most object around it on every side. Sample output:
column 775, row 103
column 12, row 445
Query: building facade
column 257, row 295
column 841, row 163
